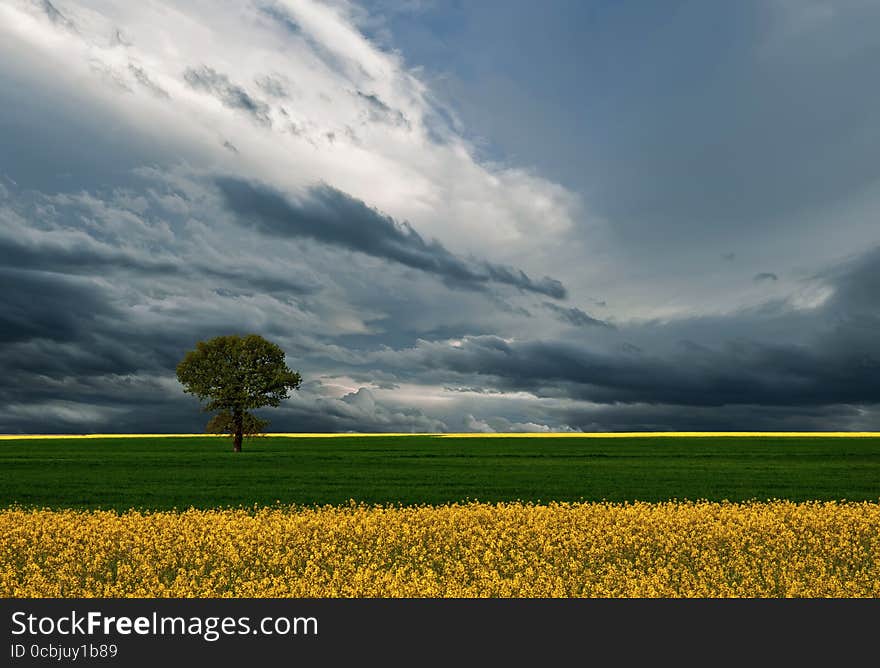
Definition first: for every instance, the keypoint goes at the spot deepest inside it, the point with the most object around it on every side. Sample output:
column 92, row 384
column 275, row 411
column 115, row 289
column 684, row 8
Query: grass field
column 164, row 473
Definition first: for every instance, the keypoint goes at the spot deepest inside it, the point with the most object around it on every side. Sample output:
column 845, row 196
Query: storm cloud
column 402, row 201
column 330, row 216
column 575, row 316
column 835, row 363
column 38, row 305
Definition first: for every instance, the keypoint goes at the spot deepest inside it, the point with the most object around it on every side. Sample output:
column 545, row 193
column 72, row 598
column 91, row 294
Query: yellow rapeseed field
column 669, row 549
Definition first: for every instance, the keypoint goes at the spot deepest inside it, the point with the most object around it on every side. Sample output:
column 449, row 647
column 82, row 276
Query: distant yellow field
column 671, row 549
column 566, row 434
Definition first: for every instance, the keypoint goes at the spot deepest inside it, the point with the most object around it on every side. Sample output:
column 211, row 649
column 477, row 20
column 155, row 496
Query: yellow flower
column 671, row 549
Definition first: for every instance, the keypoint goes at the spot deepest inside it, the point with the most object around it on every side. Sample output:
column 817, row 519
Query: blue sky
column 453, row 216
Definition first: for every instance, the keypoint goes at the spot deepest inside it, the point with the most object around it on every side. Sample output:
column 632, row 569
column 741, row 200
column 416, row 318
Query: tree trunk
column 238, row 418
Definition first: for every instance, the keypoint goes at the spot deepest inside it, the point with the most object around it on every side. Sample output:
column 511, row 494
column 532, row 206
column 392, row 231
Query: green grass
column 163, row 473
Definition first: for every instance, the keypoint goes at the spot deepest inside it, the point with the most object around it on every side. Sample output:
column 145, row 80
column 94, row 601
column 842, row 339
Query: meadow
column 163, row 473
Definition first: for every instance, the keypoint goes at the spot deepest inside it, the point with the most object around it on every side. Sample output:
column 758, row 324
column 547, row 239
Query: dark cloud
column 738, row 417
column 836, row 363
column 86, row 257
column 575, row 316
column 736, row 372
column 90, row 322
column 262, row 283
column 856, row 286
column 765, row 276
column 139, row 404
column 39, row 305
column 95, row 320
column 332, row 217
column 231, row 95
column 102, row 404
column 94, row 367
column 81, row 256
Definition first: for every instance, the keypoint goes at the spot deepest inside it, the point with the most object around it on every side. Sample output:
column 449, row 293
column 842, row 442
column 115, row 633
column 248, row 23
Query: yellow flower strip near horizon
column 672, row 549
column 518, row 434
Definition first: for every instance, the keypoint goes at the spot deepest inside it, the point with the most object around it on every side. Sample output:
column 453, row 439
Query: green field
column 164, row 473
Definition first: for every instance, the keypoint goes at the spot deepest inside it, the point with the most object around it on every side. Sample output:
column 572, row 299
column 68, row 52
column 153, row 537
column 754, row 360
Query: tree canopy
column 236, row 374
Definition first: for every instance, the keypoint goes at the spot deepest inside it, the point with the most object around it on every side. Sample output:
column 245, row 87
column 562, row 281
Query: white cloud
column 339, row 123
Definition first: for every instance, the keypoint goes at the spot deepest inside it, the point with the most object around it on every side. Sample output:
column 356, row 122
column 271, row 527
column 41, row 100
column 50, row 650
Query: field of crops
column 424, row 516
column 472, row 550
column 168, row 473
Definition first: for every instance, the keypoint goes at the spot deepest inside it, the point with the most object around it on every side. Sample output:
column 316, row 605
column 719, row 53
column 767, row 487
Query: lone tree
column 237, row 374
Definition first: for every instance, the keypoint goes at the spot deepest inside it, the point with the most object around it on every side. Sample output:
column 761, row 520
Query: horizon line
column 539, row 434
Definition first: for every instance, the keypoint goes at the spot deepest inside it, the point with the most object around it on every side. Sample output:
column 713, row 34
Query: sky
column 452, row 216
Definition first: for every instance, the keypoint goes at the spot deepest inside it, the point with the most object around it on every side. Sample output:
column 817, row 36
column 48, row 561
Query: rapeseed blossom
column 671, row 549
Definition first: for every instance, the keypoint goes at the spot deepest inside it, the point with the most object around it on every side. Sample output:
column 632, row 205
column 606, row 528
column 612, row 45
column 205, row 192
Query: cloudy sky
column 451, row 215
